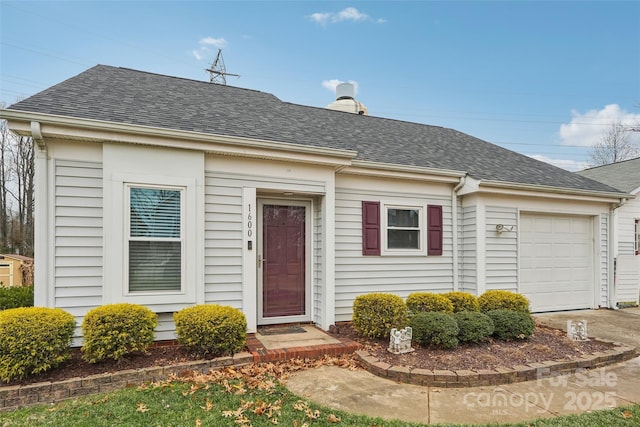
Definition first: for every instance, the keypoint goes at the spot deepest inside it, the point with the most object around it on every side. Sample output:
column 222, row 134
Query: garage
column 556, row 261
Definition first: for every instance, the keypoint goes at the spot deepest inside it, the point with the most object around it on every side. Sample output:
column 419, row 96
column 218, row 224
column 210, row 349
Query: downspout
column 454, row 226
column 612, row 289
column 42, row 293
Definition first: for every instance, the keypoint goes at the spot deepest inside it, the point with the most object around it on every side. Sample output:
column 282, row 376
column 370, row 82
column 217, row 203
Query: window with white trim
column 155, row 233
column 403, row 230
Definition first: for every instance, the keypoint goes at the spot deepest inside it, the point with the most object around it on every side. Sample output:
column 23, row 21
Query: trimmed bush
column 211, row 329
column 33, row 340
column 497, row 300
column 115, row 330
column 511, row 325
column 463, row 301
column 16, row 297
column 474, row 326
column 420, row 302
column 375, row 314
column 435, row 329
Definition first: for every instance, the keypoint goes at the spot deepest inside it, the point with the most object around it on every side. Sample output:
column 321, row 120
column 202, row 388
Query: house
column 626, row 226
column 15, row 270
column 171, row 192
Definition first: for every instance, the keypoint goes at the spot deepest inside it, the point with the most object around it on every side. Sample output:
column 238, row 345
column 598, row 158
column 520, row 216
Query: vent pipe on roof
column 345, row 91
column 345, row 100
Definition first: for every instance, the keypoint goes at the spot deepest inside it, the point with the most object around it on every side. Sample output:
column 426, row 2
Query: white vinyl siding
column 628, row 263
column 223, row 240
column 78, row 256
column 357, row 274
column 469, row 249
column 603, row 231
column 223, row 234
column 319, row 286
column 501, row 270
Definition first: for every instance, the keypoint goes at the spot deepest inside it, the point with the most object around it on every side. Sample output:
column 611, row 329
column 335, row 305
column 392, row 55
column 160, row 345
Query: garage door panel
column 556, row 261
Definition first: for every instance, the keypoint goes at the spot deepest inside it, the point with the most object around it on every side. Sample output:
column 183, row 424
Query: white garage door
column 556, row 261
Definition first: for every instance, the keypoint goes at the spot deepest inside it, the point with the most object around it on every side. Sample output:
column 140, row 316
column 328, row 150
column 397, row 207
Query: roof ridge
column 185, row 79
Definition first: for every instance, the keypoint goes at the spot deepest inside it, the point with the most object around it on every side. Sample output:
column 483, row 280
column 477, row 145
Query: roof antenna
column 218, row 72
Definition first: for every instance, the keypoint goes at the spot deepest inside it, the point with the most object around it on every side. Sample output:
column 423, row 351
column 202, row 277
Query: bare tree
column 22, row 159
column 4, row 181
column 614, row 146
column 17, row 187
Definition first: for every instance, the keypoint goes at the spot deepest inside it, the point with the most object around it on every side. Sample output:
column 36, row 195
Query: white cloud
column 320, row 18
column 585, row 129
column 205, row 47
column 331, row 84
column 570, row 165
column 347, row 14
column 350, row 14
column 210, row 41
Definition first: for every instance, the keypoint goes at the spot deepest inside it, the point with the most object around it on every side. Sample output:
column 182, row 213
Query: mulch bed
column 546, row 344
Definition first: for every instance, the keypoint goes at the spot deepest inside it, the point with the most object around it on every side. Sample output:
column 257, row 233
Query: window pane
column 154, row 266
column 155, row 213
column 403, row 239
column 403, row 218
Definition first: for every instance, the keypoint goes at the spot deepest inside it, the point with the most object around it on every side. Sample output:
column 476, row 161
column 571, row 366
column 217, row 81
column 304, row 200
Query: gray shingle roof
column 129, row 96
column 624, row 176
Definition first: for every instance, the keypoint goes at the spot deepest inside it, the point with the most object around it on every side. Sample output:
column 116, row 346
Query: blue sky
column 541, row 78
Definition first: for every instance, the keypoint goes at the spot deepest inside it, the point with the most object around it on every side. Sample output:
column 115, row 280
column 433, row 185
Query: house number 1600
column 249, row 223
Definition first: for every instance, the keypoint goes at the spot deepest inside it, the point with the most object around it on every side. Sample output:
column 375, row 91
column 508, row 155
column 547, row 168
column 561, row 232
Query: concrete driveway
column 615, row 325
column 361, row 392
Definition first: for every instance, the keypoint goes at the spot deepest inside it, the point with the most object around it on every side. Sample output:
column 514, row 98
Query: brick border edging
column 498, row 376
column 19, row 396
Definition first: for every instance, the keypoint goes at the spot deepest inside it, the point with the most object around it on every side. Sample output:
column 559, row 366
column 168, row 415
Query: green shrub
column 510, row 324
column 33, row 340
column 474, row 326
column 420, row 302
column 496, row 300
column 15, row 297
column 463, row 301
column 436, row 329
column 211, row 329
column 115, row 330
column 375, row 314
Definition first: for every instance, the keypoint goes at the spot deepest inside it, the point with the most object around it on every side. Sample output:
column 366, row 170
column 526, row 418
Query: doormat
column 282, row 330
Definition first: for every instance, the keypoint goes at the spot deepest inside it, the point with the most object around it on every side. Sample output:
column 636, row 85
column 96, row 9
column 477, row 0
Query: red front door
column 283, row 289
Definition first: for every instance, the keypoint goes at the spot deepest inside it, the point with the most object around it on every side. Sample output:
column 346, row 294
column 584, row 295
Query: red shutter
column 434, row 230
column 370, row 228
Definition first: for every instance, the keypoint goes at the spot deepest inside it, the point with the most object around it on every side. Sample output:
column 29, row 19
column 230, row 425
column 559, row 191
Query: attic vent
column 345, row 100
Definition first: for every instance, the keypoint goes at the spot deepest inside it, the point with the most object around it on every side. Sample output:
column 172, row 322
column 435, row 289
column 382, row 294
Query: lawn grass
column 231, row 402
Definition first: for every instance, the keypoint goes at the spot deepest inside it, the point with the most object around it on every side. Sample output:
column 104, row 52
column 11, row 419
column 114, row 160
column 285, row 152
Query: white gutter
column 612, row 289
column 100, row 130
column 393, row 171
column 563, row 191
column 454, row 225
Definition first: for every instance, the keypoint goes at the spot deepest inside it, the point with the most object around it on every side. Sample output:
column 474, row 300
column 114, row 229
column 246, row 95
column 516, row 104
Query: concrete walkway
column 582, row 391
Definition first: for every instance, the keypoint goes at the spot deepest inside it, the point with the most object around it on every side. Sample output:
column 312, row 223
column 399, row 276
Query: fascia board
column 498, row 187
column 388, row 170
column 102, row 131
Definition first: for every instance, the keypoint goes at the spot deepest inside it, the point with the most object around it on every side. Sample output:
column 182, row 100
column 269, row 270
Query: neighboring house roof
column 17, row 257
column 133, row 97
column 624, row 175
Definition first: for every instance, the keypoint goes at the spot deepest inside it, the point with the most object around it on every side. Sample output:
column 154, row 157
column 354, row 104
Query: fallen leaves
column 239, row 380
column 333, row 419
column 627, row 415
